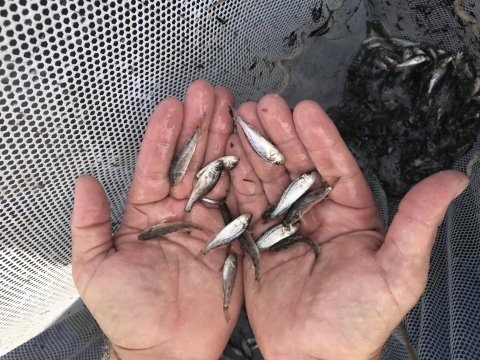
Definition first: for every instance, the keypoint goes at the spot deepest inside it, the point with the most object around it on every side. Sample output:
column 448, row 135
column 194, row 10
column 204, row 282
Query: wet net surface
column 78, row 82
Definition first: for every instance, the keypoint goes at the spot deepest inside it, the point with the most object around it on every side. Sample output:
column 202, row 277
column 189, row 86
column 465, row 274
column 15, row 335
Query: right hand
column 366, row 279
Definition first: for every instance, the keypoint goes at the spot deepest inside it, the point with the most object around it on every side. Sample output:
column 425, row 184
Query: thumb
column 91, row 233
column 405, row 254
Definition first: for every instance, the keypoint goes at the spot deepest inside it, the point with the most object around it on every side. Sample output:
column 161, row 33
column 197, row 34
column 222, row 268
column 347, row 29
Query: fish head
column 175, row 178
column 229, row 162
column 246, row 218
column 294, row 227
column 311, row 175
column 277, row 158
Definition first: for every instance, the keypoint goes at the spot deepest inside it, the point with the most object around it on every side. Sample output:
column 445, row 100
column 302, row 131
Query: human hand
column 366, row 279
column 151, row 298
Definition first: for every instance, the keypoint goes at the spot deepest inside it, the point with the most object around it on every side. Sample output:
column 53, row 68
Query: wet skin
column 153, row 300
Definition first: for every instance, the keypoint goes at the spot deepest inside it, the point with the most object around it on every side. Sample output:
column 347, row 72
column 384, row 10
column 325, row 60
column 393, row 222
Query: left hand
column 152, row 298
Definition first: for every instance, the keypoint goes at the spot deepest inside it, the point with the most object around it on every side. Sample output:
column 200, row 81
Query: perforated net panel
column 78, row 82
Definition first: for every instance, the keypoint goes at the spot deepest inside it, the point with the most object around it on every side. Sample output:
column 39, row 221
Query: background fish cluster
column 394, row 127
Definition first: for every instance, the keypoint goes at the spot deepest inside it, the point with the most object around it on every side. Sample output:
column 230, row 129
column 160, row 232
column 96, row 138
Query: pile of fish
column 409, row 109
column 295, row 202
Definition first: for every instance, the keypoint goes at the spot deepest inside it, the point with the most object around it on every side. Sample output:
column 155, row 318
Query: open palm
column 151, row 298
column 366, row 279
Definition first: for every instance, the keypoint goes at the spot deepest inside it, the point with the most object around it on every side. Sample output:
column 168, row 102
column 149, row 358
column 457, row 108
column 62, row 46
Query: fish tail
column 226, row 313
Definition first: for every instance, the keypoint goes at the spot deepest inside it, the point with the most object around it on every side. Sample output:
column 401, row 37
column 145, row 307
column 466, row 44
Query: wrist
column 119, row 353
column 276, row 356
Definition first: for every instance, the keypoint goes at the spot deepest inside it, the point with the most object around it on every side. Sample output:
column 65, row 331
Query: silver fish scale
column 229, row 232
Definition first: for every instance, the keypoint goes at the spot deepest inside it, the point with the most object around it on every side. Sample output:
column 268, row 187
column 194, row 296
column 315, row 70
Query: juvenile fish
column 305, row 203
column 229, row 275
column 250, row 248
column 439, row 72
column 403, row 43
column 181, row 161
column 294, row 239
column 166, row 228
column 413, row 61
column 292, row 193
column 264, row 148
column 227, row 219
column 246, row 348
column 476, row 87
column 208, row 179
column 228, row 162
column 275, row 234
column 228, row 233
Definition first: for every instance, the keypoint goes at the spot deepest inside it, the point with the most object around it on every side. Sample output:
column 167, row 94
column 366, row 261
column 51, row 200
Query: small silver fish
column 418, row 51
column 372, row 39
column 292, row 193
column 167, row 228
column 338, row 5
column 403, row 43
column 407, row 54
column 250, row 248
column 182, row 159
column 227, row 219
column 228, row 163
column 294, row 239
column 264, row 148
column 439, row 72
column 246, row 348
column 209, row 178
column 275, row 234
column 305, row 203
column 413, row 61
column 432, row 53
column 476, row 87
column 205, row 183
column 229, row 233
column 229, row 275
column 380, row 64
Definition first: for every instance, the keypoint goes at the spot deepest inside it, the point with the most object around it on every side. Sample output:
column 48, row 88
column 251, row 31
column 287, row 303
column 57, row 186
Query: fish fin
column 221, row 268
column 256, row 286
column 226, row 313
column 313, row 266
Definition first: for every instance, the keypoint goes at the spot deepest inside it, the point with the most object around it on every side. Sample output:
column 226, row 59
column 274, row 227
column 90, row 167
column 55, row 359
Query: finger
column 245, row 182
column 91, row 230
column 198, row 108
column 277, row 120
column 405, row 255
column 331, row 156
column 151, row 182
column 274, row 178
column 221, row 127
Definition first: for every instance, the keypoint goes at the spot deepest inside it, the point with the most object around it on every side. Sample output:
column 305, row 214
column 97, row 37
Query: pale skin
column 155, row 301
